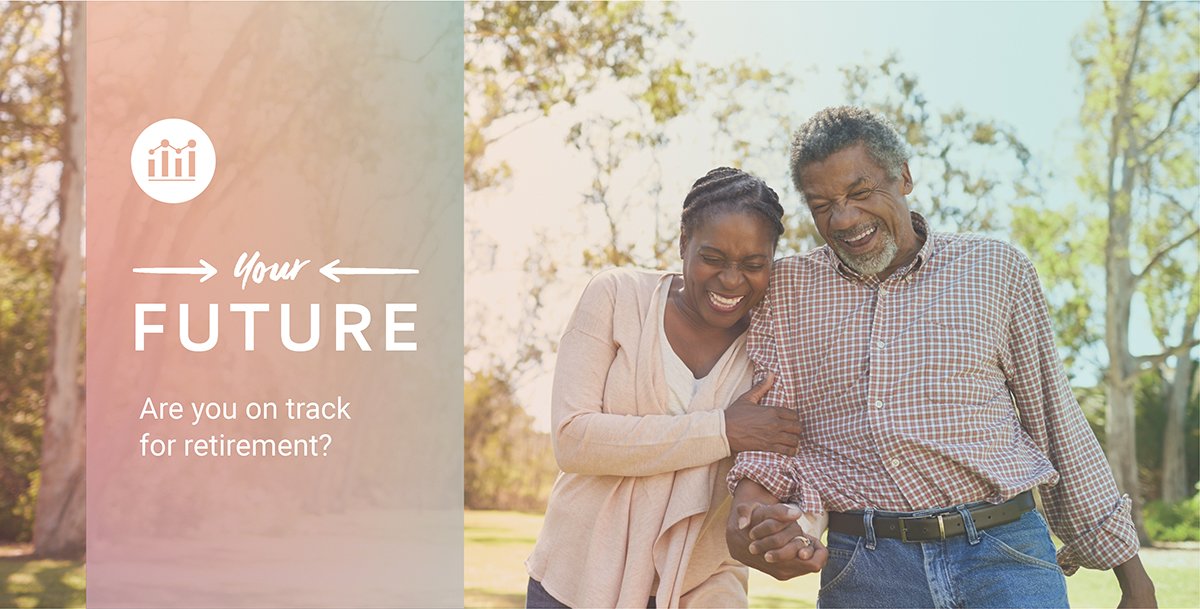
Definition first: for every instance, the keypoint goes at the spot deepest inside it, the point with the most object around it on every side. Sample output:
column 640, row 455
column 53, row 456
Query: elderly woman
column 646, row 413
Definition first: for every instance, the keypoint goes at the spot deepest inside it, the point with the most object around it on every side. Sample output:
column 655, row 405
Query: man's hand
column 749, row 426
column 1136, row 588
column 781, row 550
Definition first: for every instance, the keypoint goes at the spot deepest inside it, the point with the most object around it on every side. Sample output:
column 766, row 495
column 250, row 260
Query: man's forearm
column 1136, row 588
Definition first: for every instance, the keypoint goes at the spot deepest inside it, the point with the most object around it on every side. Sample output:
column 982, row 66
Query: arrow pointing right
column 205, row 269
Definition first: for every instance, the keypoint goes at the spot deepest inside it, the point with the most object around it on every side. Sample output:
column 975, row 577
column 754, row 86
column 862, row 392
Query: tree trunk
column 1119, row 425
column 1175, row 475
column 1119, row 429
column 59, row 519
column 1120, row 284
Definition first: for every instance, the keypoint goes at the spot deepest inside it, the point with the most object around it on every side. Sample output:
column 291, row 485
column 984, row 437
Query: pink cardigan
column 642, row 492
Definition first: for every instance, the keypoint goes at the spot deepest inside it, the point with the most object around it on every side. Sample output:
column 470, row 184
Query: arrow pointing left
column 205, row 269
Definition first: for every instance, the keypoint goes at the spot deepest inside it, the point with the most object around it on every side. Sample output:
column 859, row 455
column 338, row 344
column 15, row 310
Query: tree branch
column 1163, row 252
column 1173, row 200
column 1142, row 363
column 1171, row 115
column 495, row 138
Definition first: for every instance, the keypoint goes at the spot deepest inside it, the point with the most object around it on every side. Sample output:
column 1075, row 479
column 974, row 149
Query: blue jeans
column 1010, row 565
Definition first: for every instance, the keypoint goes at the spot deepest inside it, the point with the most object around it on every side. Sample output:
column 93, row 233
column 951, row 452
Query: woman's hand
column 749, row 426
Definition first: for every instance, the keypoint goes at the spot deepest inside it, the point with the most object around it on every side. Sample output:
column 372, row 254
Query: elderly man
column 933, row 402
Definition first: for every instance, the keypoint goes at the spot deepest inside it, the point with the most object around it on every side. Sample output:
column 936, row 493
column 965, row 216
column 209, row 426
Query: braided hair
column 728, row 189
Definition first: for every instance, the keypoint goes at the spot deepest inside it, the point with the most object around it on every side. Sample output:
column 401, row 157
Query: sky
column 1008, row 61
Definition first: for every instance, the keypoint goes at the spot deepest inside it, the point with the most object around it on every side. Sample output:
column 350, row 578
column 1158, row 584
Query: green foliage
column 30, row 108
column 28, row 583
column 507, row 465
column 1150, row 393
column 25, row 283
column 1068, row 259
column 534, row 62
column 1141, row 120
column 967, row 168
column 530, row 62
column 523, row 59
column 1174, row 521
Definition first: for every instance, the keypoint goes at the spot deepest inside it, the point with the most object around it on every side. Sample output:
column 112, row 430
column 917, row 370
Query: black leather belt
column 934, row 527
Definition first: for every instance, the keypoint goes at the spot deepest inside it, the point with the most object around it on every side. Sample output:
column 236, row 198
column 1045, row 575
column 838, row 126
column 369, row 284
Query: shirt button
column 879, row 344
column 883, row 291
column 895, row 463
column 879, row 403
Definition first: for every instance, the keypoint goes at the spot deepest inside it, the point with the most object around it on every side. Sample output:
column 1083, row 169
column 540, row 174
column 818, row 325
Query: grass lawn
column 26, row 583
column 497, row 544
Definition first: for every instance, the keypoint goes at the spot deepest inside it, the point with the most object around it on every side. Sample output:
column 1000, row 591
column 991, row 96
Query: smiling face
column 726, row 267
column 860, row 212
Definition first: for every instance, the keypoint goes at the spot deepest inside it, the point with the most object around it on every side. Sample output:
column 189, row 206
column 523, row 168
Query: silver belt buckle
column 904, row 531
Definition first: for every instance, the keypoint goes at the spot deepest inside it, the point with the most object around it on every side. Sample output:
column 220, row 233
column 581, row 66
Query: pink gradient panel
column 338, row 136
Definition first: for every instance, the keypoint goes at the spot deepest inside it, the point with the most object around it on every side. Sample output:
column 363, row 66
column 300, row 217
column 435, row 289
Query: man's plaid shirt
column 936, row 387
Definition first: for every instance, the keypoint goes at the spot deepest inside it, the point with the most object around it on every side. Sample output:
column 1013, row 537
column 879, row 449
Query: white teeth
column 722, row 302
column 861, row 235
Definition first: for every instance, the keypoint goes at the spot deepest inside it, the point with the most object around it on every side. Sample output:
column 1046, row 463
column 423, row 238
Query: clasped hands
column 765, row 534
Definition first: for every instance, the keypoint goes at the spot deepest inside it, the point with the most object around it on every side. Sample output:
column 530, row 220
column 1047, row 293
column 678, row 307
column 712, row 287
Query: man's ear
column 906, row 181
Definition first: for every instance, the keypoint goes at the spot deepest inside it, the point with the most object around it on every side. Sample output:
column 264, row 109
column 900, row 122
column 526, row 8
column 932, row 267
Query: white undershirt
column 682, row 385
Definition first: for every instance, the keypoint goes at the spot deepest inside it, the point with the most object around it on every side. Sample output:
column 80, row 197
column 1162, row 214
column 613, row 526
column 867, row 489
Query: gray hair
column 839, row 127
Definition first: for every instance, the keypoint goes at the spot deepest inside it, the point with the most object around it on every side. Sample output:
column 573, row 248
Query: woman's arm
column 589, row 441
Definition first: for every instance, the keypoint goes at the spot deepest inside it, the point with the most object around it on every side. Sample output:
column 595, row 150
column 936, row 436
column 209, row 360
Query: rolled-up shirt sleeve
column 1084, row 508
column 777, row 473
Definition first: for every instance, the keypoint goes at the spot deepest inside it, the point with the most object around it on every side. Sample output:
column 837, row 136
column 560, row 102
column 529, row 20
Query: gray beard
column 873, row 263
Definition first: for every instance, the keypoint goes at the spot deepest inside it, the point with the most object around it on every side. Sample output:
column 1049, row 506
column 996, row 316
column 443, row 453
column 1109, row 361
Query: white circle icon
column 173, row 161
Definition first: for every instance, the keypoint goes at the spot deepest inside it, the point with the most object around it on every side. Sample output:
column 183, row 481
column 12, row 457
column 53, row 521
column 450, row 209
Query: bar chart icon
column 164, row 157
column 173, row 160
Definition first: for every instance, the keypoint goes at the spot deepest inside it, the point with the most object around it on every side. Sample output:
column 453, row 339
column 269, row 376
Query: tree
column 534, row 61
column 522, row 62
column 1139, row 114
column 507, row 464
column 59, row 521
column 43, row 132
column 524, row 59
column 26, row 263
column 1175, row 475
column 30, row 112
column 967, row 168
column 655, row 98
